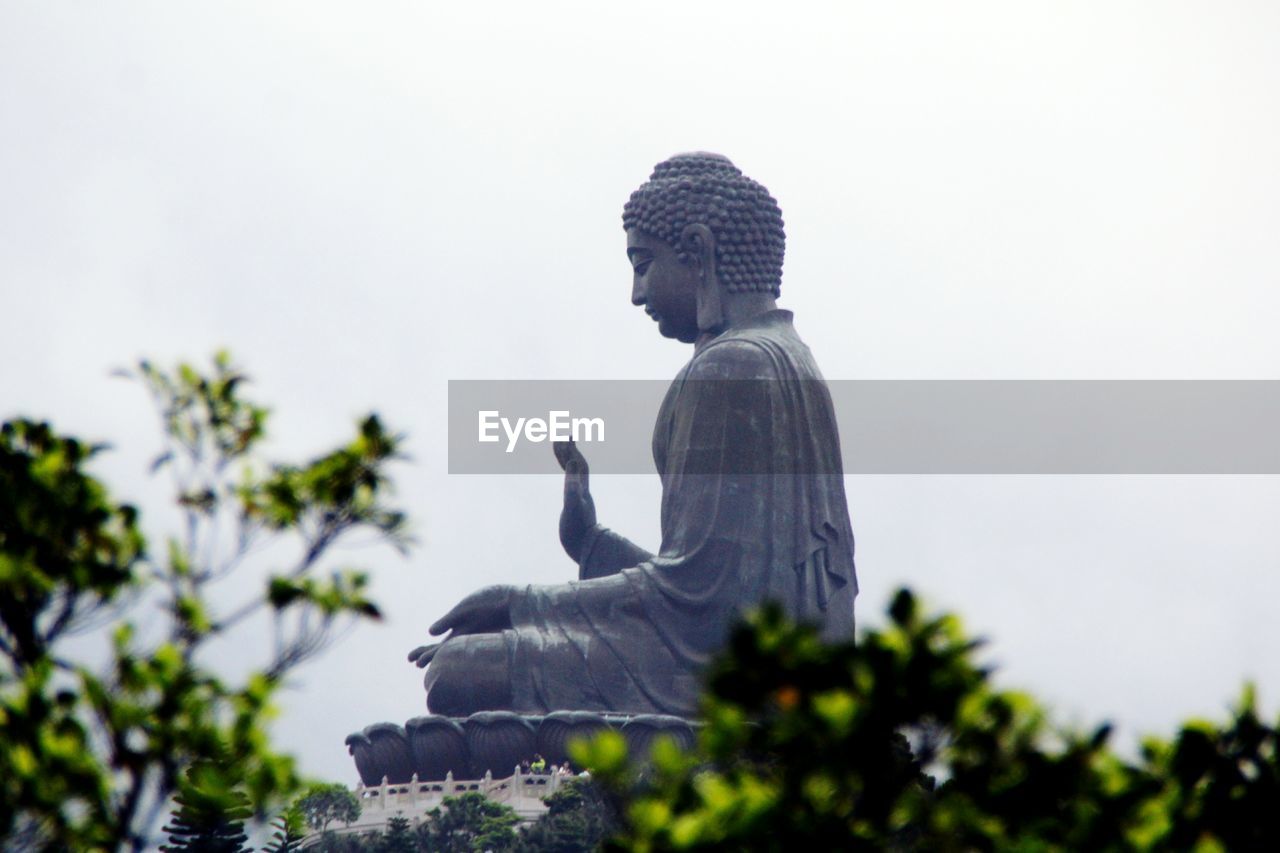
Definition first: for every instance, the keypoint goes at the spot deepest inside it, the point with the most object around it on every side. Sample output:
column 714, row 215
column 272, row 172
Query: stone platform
column 524, row 793
column 494, row 742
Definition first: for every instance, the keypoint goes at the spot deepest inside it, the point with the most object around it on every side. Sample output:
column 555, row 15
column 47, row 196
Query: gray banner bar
column 902, row 427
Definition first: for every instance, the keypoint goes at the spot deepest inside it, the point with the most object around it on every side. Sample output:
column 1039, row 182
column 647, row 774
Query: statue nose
column 639, row 294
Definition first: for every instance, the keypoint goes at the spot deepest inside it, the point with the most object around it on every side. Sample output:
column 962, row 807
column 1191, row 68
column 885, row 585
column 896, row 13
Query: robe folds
column 753, row 509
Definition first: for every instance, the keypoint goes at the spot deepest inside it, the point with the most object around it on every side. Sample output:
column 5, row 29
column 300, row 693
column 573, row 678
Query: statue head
column 707, row 189
column 723, row 228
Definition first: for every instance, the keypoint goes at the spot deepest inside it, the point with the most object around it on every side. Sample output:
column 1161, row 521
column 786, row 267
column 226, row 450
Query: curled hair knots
column 741, row 214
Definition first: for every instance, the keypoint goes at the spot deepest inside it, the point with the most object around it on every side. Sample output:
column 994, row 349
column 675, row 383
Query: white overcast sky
column 363, row 201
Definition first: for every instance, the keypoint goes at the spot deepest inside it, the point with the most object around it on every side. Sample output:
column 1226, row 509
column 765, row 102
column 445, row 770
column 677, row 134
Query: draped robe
column 753, row 509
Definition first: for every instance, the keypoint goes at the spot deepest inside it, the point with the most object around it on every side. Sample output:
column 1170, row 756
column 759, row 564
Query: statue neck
column 738, row 308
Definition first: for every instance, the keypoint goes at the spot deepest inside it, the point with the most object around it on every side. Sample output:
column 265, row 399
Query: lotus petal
column 438, row 746
column 559, row 727
column 498, row 741
column 643, row 731
column 391, row 756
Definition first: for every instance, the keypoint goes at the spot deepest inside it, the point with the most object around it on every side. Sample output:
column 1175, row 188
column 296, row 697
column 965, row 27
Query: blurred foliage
column 901, row 742
column 288, row 831
column 92, row 752
column 210, row 814
column 577, row 820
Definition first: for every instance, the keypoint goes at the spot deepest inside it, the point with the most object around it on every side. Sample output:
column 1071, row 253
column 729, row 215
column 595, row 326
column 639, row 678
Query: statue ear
column 700, row 244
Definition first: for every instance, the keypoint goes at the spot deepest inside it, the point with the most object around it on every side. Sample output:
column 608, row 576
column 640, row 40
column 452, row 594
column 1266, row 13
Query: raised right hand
column 579, row 513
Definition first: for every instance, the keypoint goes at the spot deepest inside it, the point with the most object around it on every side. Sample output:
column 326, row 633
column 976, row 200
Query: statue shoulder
column 734, row 357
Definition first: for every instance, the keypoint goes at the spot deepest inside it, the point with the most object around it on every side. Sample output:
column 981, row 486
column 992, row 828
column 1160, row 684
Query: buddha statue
column 753, row 501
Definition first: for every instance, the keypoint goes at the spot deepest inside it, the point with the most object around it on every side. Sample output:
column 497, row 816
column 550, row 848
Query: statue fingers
column 444, row 624
column 577, row 478
column 481, row 612
column 450, row 620
column 422, row 655
column 570, row 457
column 457, row 618
column 465, row 618
column 564, row 452
column 579, row 461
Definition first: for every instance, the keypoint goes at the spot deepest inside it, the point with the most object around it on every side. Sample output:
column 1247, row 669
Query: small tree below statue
column 325, row 803
column 467, row 823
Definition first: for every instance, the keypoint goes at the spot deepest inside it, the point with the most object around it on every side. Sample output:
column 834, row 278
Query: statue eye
column 642, row 266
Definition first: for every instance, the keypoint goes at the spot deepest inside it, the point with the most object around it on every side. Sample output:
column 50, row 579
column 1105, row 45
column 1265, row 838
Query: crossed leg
column 467, row 674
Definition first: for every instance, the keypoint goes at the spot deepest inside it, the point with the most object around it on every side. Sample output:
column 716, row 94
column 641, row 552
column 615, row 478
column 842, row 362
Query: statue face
column 665, row 287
